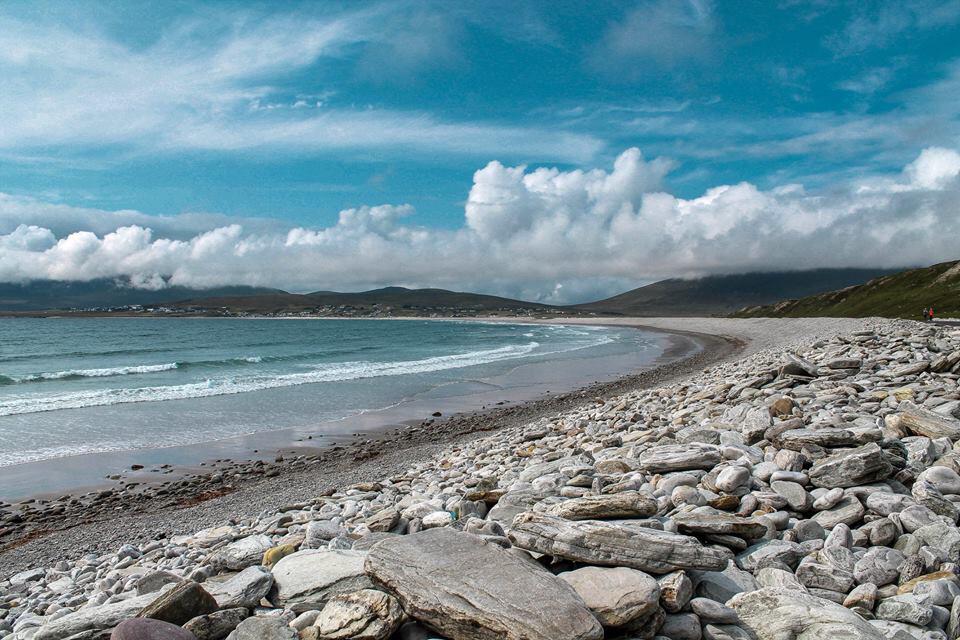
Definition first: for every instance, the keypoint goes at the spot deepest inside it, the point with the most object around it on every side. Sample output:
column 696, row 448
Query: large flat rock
column 680, row 457
column 468, row 589
column 105, row 616
column 306, row 579
column 785, row 614
column 609, row 544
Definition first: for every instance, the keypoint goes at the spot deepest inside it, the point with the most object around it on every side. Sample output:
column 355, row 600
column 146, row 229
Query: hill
column 103, row 293
column 721, row 295
column 388, row 300
column 900, row 295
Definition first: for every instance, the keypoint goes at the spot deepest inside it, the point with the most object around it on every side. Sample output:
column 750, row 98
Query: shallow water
column 91, row 385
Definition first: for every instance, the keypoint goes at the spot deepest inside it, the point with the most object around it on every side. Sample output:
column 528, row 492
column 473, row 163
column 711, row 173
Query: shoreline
column 138, row 468
column 235, row 489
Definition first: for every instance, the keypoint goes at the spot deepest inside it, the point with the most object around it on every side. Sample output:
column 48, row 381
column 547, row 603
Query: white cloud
column 541, row 234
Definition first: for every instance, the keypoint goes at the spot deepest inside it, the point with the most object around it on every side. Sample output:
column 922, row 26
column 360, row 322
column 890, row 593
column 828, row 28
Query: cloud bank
column 541, row 233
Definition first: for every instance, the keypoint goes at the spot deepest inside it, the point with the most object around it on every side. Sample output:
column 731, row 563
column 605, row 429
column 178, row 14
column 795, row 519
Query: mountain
column 721, row 295
column 900, row 295
column 402, row 301
column 57, row 294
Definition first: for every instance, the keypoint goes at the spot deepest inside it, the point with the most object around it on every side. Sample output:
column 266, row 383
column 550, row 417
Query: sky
column 555, row 151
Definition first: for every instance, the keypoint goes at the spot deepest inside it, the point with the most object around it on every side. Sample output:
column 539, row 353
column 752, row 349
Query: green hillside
column 901, row 295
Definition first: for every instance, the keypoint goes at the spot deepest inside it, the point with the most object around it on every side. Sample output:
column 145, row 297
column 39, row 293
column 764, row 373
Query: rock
column 785, row 614
column 263, row 628
column 466, row 588
column 828, row 437
column 628, row 504
column 710, row 611
column 616, row 596
column 864, row 597
column 796, row 496
column 723, row 585
column 879, row 566
column 362, row 615
column 155, row 580
column 719, row 523
column 384, row 520
column 216, row 625
column 436, row 519
column 673, row 457
column 942, row 536
column 904, row 608
column 924, row 422
column 318, row 532
column 848, row 511
column 512, row 504
column 244, row 589
column 184, row 601
column 87, row 619
column 272, row 556
column 779, row 578
column 862, row 465
column 732, row 478
column 243, row 553
column 607, row 544
column 681, row 626
column 307, row 579
column 675, row 591
column 149, row 629
column 760, row 554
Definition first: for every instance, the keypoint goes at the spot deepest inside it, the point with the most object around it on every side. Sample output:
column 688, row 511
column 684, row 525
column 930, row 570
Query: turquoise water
column 85, row 385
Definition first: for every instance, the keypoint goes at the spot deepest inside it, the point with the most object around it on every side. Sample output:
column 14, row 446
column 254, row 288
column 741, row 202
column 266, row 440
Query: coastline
column 188, row 499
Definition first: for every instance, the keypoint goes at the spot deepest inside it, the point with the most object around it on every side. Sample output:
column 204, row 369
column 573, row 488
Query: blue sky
column 279, row 117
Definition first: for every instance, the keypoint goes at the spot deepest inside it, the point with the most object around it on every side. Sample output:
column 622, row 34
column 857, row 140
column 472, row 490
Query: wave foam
column 243, row 384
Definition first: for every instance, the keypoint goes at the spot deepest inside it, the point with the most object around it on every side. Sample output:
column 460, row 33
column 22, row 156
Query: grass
column 901, row 295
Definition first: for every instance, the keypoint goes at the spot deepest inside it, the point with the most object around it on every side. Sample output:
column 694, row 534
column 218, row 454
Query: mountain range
column 712, row 295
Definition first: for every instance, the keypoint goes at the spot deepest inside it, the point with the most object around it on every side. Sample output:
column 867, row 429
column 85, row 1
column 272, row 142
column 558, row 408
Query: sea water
column 73, row 386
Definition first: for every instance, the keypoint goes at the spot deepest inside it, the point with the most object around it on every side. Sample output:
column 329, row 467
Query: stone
column 307, row 579
column 436, row 519
column 732, row 478
column 87, row 619
column 828, row 437
column 243, row 553
column 848, row 511
column 719, row 523
column 362, row 615
column 470, row 589
column 318, row 532
column 628, row 504
column 936, row 592
column 675, row 591
column 761, row 553
column 943, row 537
column 863, row 465
column 671, row 457
column 149, row 629
column 184, row 601
column 155, row 580
column 603, row 543
column 244, row 589
column 904, row 608
column 786, row 614
column 681, row 626
column 796, row 496
column 946, row 480
column 723, row 585
column 216, row 625
column 863, row 596
column 710, row 611
column 616, row 596
column 779, row 578
column 923, row 422
column 879, row 566
column 263, row 628
column 383, row 520
column 272, row 556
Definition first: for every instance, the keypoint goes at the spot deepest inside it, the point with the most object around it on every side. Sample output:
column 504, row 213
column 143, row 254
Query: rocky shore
column 807, row 490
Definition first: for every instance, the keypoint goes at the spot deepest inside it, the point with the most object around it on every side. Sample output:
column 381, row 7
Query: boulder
column 679, row 457
column 263, row 628
column 616, row 596
column 923, row 422
column 244, row 589
column 863, row 465
column 469, row 589
column 87, row 619
column 216, row 625
column 362, row 615
column 149, row 629
column 307, row 579
column 786, row 614
column 242, row 553
column 614, row 545
column 184, row 601
column 628, row 504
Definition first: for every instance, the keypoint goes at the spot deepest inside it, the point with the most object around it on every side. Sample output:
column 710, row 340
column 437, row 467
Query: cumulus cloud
column 537, row 233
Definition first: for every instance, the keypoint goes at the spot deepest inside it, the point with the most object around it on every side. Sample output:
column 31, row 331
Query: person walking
column 930, row 314
column 926, row 314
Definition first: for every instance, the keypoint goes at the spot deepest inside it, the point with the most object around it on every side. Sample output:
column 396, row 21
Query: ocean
column 72, row 386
